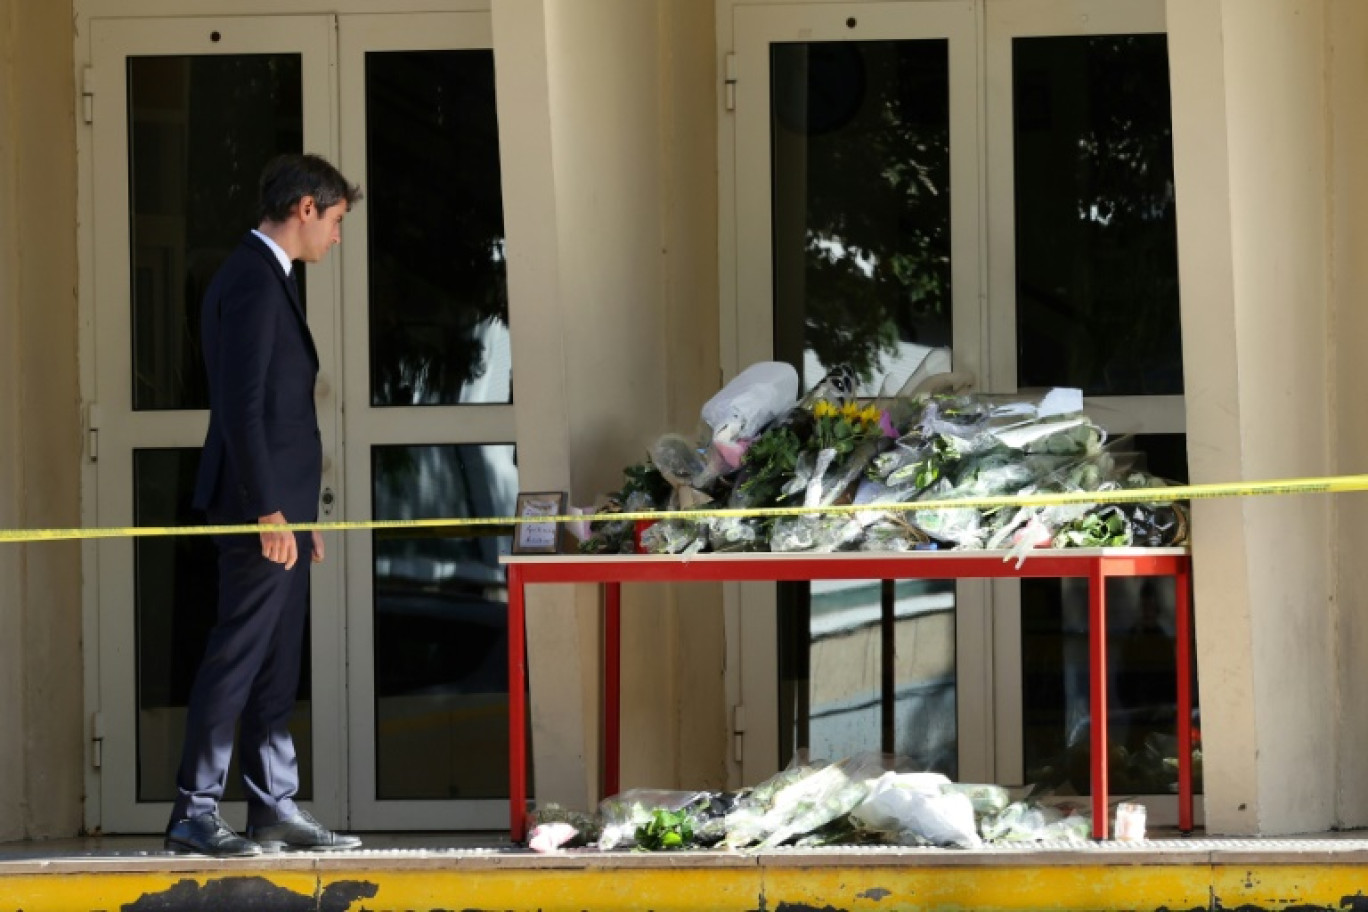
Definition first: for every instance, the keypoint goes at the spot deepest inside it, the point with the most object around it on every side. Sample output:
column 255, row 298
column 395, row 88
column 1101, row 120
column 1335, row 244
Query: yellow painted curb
column 164, row 892
column 746, row 886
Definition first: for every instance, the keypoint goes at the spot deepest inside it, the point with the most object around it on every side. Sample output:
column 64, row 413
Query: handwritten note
column 538, row 536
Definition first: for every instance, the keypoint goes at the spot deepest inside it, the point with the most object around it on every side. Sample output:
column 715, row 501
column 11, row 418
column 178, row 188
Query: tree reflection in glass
column 861, row 165
column 438, row 287
column 1096, row 223
column 200, row 128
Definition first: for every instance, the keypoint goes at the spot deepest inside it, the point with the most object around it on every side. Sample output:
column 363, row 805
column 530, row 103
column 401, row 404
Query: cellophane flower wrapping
column 868, row 798
column 889, row 454
column 801, row 799
column 620, row 815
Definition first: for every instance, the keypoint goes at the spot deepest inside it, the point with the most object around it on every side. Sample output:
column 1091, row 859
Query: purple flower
column 886, row 425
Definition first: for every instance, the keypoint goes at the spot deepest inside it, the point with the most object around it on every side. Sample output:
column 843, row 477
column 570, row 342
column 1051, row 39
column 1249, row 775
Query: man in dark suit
column 262, row 463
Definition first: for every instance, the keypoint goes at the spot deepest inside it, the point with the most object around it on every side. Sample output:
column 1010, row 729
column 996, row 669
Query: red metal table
column 611, row 571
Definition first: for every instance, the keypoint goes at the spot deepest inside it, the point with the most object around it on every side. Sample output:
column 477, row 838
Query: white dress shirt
column 279, row 251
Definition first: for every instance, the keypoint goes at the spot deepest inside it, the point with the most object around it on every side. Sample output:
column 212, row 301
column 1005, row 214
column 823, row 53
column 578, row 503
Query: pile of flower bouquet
column 765, row 448
column 867, row 799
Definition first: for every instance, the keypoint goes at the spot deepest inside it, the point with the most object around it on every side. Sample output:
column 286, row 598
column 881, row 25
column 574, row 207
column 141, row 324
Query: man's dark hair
column 289, row 178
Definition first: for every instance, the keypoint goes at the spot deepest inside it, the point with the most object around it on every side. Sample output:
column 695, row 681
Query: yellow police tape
column 1335, row 484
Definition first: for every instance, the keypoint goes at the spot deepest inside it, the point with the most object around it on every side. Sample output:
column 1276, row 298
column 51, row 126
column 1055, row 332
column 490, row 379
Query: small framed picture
column 535, row 537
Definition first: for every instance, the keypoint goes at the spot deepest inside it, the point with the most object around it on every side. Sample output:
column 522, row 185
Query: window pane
column 200, row 129
column 1096, row 242
column 1141, row 672
column 865, row 668
column 441, row 629
column 438, row 285
column 861, row 197
column 176, row 604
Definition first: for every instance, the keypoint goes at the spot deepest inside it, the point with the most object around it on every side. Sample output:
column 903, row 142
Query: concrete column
column 690, row 107
column 605, row 83
column 12, row 807
column 1250, row 151
column 40, row 611
column 1348, row 194
column 561, row 692
column 50, row 411
column 610, row 181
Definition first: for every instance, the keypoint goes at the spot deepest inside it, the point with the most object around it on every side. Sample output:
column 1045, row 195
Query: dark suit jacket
column 262, row 452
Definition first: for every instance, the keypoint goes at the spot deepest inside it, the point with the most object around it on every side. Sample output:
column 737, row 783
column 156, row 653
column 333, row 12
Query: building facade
column 582, row 217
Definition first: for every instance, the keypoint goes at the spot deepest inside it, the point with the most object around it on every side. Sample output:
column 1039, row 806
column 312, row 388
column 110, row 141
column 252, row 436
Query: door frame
column 134, row 18
column 119, row 430
column 745, row 32
column 392, row 425
column 1005, row 20
column 988, row 612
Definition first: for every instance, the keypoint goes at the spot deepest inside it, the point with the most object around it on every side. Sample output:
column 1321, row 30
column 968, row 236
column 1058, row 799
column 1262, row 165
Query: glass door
column 185, row 113
column 402, row 714
column 995, row 177
column 857, row 212
column 1084, row 284
column 429, row 423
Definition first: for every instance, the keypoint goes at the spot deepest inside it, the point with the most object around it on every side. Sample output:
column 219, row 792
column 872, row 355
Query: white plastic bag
column 913, row 808
column 754, row 398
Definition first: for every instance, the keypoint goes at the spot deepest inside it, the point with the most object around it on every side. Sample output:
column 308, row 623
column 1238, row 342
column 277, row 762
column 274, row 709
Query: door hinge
column 88, row 95
column 93, row 431
column 97, row 740
column 729, row 82
column 738, row 731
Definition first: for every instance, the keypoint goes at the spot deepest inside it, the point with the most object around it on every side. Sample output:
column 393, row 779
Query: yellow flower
column 824, row 409
column 851, row 412
column 870, row 415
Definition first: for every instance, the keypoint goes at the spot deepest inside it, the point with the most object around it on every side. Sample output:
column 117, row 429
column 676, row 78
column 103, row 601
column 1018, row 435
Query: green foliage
column 666, row 830
column 646, row 479
column 641, row 482
column 1105, row 528
column 770, row 462
column 937, row 456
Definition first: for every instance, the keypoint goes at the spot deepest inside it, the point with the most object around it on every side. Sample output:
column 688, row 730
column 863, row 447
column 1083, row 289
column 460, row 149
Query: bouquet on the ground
column 867, row 799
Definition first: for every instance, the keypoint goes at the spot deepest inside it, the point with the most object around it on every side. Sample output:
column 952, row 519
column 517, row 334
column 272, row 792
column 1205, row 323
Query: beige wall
column 40, row 620
column 11, row 626
column 1251, row 151
column 610, row 178
column 608, row 121
column 1348, row 69
column 1275, row 59
column 688, row 141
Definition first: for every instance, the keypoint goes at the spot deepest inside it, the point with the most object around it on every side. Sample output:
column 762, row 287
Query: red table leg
column 517, row 707
column 1182, row 631
column 1097, row 696
column 612, row 686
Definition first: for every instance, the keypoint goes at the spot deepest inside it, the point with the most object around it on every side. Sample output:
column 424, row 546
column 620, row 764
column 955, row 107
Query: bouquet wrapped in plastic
column 929, row 442
column 650, row 815
column 800, row 800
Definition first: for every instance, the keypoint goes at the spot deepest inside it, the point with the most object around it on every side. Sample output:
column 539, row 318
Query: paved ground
column 436, row 871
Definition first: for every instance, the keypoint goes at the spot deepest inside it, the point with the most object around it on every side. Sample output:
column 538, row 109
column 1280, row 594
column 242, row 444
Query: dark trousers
column 248, row 679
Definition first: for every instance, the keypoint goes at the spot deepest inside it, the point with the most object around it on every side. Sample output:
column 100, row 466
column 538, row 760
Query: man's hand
column 278, row 547
column 317, row 547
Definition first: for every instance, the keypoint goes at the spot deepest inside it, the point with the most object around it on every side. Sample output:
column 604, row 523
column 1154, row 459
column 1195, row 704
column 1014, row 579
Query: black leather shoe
column 301, row 833
column 207, row 834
